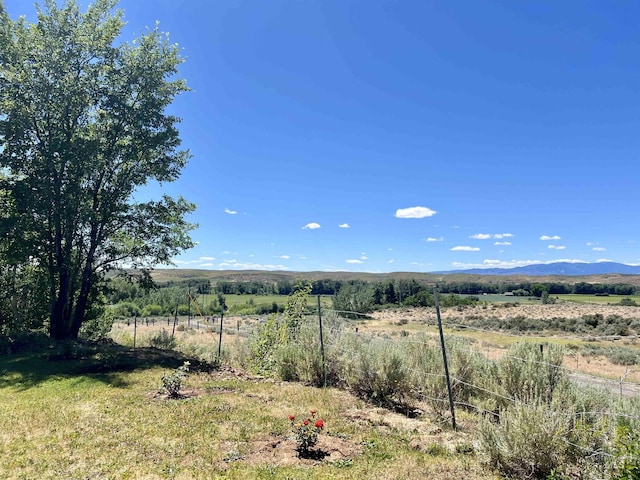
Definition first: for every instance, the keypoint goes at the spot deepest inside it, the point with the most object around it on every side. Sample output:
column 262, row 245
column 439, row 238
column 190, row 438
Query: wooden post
column 444, row 358
column 175, row 320
column 135, row 328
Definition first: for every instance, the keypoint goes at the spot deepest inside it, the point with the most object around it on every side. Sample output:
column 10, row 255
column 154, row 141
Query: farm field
column 599, row 299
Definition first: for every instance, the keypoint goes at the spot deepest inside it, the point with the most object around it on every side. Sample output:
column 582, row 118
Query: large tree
column 83, row 125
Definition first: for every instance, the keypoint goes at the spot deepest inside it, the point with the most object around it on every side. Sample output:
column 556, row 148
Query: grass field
column 602, row 300
column 62, row 417
column 281, row 300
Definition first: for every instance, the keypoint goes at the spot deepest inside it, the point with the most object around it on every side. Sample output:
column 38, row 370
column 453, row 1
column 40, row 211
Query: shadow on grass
column 36, row 359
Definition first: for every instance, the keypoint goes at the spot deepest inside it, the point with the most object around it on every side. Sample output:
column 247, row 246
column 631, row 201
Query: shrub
column 98, row 328
column 628, row 302
column 152, row 310
column 528, row 372
column 126, row 309
column 529, row 441
column 172, row 383
column 163, row 340
column 627, row 454
column 267, row 338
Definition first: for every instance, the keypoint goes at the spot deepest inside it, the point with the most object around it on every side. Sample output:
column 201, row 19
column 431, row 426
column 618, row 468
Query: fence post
column 324, row 365
column 175, row 320
column 220, row 338
column 135, row 328
column 189, row 308
column 444, row 358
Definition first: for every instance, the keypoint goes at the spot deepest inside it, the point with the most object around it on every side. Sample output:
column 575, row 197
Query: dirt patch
column 281, row 451
column 185, row 394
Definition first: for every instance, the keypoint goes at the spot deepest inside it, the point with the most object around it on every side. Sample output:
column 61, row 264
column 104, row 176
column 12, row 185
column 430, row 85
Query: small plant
column 171, row 384
column 306, row 432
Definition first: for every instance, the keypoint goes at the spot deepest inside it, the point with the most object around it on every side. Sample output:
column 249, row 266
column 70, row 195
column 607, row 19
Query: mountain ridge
column 555, row 268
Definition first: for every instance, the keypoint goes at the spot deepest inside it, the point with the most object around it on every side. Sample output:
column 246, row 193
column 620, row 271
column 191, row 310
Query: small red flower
column 292, row 417
column 319, row 423
column 306, row 422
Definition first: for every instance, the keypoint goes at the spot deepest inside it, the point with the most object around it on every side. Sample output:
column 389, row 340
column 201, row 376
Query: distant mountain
column 557, row 268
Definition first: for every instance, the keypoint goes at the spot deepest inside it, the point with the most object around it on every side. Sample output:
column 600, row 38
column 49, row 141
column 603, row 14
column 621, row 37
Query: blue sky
column 404, row 135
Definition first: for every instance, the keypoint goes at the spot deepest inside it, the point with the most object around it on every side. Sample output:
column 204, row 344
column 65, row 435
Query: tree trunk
column 83, row 300
column 59, row 321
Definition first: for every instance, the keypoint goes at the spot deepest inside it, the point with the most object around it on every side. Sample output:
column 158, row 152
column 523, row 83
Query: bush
column 98, row 328
column 162, row 340
column 529, row 441
column 126, row 309
column 152, row 311
column 376, row 370
column 530, row 371
column 628, row 302
column 172, row 383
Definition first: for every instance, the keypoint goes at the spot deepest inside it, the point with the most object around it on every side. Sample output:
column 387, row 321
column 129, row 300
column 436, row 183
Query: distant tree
column 390, row 293
column 537, row 289
column 583, row 288
column 82, row 126
column 354, row 297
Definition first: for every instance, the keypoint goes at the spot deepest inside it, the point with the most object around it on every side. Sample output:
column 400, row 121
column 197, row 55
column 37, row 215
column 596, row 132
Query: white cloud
column 194, row 262
column 486, row 236
column 433, row 239
column 391, row 261
column 502, row 243
column 414, row 212
column 547, row 237
column 465, row 249
column 556, row 247
column 600, row 260
column 234, row 264
column 302, row 258
column 599, row 249
column 354, row 261
column 311, row 226
column 344, row 225
column 284, row 257
column 364, row 257
column 230, row 212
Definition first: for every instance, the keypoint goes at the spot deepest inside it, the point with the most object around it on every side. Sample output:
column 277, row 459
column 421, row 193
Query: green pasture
column 280, row 300
column 601, row 300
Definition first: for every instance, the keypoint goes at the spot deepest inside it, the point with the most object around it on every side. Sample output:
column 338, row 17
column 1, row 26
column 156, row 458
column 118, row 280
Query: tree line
column 349, row 296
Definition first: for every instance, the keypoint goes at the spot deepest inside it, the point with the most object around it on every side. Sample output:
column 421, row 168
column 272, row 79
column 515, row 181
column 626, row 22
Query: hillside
column 167, row 275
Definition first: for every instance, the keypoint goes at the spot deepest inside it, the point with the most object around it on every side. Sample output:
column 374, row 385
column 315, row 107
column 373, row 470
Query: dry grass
column 61, row 423
column 494, row 344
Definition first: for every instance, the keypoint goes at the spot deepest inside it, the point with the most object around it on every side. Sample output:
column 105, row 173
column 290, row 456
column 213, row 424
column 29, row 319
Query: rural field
column 83, row 411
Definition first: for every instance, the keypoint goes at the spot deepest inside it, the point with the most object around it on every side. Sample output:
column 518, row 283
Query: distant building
column 508, row 294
